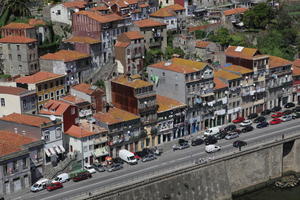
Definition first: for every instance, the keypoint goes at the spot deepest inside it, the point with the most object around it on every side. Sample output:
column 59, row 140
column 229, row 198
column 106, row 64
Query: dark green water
column 271, row 193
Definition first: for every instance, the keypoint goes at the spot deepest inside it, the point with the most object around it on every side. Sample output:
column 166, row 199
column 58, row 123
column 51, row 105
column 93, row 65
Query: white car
column 246, row 123
column 287, row 118
column 90, row 169
column 39, row 185
column 212, row 148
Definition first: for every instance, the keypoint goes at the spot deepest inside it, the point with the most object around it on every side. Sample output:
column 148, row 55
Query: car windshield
column 36, row 185
column 132, row 158
column 56, row 179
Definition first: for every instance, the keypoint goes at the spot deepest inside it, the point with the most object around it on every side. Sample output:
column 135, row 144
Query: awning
column 207, row 94
column 52, row 151
column 62, row 148
column 47, row 152
column 57, row 150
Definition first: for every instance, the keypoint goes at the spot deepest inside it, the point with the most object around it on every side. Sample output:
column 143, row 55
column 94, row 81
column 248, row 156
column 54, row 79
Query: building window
column 46, row 135
column 91, row 147
column 56, row 83
column 8, row 46
column 51, row 94
column 2, row 102
column 85, row 148
column 9, row 56
column 51, row 85
column 58, row 12
column 40, row 98
column 46, row 86
column 57, row 92
column 128, row 51
column 18, row 47
column 58, row 133
column 24, row 163
column 19, row 57
column 62, row 91
column 46, row 96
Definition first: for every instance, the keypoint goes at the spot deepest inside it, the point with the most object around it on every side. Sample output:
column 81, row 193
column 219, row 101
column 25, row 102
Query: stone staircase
column 104, row 72
column 62, row 167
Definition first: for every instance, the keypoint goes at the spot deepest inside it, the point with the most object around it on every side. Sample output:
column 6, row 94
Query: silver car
column 231, row 136
column 287, row 118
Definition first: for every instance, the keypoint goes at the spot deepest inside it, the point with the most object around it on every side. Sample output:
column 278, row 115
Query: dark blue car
column 262, row 124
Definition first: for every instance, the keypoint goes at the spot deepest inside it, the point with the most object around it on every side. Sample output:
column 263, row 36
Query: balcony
column 147, row 108
column 206, row 92
column 101, row 151
column 100, row 140
column 155, row 43
column 145, row 94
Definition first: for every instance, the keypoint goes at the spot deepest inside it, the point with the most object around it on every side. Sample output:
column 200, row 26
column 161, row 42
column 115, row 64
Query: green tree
column 152, row 56
column 259, row 16
column 199, row 34
column 170, row 51
column 100, row 84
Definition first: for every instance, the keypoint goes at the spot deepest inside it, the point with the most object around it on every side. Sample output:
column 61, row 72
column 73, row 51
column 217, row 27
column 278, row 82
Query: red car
column 238, row 120
column 277, row 114
column 54, row 186
column 82, row 176
column 275, row 121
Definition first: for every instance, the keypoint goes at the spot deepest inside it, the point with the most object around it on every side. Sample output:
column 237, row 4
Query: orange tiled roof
column 38, row 77
column 148, row 23
column 219, row 84
column 12, row 142
column 12, row 90
column 122, row 44
column 73, row 99
column 137, row 11
column 235, row 11
column 17, row 26
column 17, row 40
column 296, row 63
column 65, row 55
column 99, row 17
column 202, row 27
column 100, row 8
column 226, row 75
column 133, row 35
column 275, row 61
column 247, row 53
column 134, row 83
column 296, row 71
column 75, row 4
column 114, row 116
column 144, row 5
column 239, row 69
column 163, row 12
column 78, row 132
column 79, row 39
column 31, row 120
column 166, row 103
column 85, row 88
column 202, row 44
column 55, row 107
column 180, row 65
column 36, row 22
column 176, row 7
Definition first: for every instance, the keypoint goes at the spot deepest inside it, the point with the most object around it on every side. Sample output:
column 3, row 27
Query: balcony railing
column 100, row 140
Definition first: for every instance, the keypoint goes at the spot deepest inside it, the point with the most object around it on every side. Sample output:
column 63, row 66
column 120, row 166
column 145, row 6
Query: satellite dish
column 52, row 118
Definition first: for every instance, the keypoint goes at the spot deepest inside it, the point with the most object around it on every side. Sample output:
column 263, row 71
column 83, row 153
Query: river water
column 272, row 193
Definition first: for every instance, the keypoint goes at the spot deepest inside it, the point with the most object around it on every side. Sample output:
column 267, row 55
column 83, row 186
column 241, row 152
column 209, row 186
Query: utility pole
column 82, row 160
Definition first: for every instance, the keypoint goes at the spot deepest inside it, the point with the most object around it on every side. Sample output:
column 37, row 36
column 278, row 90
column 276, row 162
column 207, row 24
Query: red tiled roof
column 65, row 55
column 78, row 132
column 144, row 5
column 55, row 107
column 99, row 17
column 31, row 120
column 17, row 26
column 122, row 44
column 234, row 11
column 202, row 27
column 275, row 61
column 296, row 71
column 176, row 7
column 219, row 84
column 85, row 88
column 134, row 83
column 12, row 142
column 36, row 22
column 73, row 99
column 114, row 116
column 148, row 23
column 38, row 77
column 17, row 40
column 75, row 4
column 166, row 103
column 163, row 12
column 133, row 35
column 246, row 53
column 296, row 63
column 202, row 44
column 100, row 8
column 79, row 39
column 12, row 90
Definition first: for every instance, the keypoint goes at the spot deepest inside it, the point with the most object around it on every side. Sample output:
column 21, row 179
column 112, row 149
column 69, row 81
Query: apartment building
column 296, row 81
column 221, row 92
column 18, row 29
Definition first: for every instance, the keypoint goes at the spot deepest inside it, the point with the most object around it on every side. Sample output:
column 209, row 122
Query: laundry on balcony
column 154, row 79
column 252, row 92
column 224, row 100
column 220, row 112
column 211, row 103
column 101, row 152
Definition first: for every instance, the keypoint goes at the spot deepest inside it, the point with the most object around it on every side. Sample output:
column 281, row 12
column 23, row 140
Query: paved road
column 168, row 161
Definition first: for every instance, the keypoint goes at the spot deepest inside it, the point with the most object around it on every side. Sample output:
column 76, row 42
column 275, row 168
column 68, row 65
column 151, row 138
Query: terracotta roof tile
column 176, row 7
column 36, row 22
column 65, row 55
column 100, row 17
column 55, row 107
column 202, row 27
column 100, row 8
column 148, row 23
column 73, row 99
column 75, row 4
column 144, row 5
column 166, row 103
column 296, row 63
column 31, row 120
column 296, row 71
column 133, row 35
column 180, row 65
column 163, row 12
column 17, row 26
column 235, row 11
column 85, row 88
column 78, row 132
column 122, row 44
column 114, row 116
column 17, row 40
column 78, row 39
column 241, row 52
column 12, row 142
column 135, row 83
column 238, row 69
column 222, row 74
column 219, row 84
column 12, row 90
column 38, row 77
column 202, row 44
column 275, row 61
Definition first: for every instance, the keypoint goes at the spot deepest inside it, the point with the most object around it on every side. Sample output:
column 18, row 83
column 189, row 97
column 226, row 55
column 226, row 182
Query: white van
column 127, row 156
column 212, row 131
column 64, row 177
column 39, row 185
column 212, row 148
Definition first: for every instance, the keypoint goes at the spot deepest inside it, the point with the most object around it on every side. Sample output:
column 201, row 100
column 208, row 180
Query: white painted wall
column 63, row 17
column 12, row 104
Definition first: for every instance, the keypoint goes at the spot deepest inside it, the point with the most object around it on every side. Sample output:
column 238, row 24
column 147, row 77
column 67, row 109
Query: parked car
column 180, row 147
column 212, row 131
column 182, row 141
column 115, row 167
column 296, row 115
column 259, row 119
column 231, row 127
column 197, row 141
column 266, row 112
column 238, row 120
column 212, row 148
column 275, row 121
column 289, row 105
column 247, row 129
column 148, row 158
column 276, row 109
column 136, row 156
column 239, row 143
column 82, row 176
column 98, row 167
column 141, row 153
column 221, row 135
column 286, row 118
column 231, row 136
column 210, row 140
column 39, row 185
column 64, row 177
column 117, row 160
column 252, row 116
column 246, row 123
column 90, row 169
column 54, row 186
column 297, row 109
column 127, row 157
column 262, row 124
column 277, row 114
column 287, row 112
